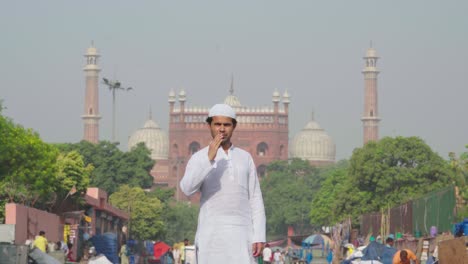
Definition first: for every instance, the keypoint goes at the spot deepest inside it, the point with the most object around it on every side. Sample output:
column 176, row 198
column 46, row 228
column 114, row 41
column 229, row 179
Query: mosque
column 262, row 131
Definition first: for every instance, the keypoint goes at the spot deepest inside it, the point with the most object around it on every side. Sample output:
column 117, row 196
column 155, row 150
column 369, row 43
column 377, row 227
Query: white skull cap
column 222, row 110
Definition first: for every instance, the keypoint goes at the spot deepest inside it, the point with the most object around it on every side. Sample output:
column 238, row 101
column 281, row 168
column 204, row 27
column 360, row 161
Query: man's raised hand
column 214, row 146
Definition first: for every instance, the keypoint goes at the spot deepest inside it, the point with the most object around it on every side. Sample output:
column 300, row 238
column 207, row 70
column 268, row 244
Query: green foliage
column 394, row 170
column 27, row 165
column 112, row 167
column 145, row 212
column 180, row 222
column 72, row 177
column 33, row 172
column 379, row 175
column 165, row 195
column 326, row 208
column 72, row 172
column 2, row 210
column 459, row 166
column 287, row 192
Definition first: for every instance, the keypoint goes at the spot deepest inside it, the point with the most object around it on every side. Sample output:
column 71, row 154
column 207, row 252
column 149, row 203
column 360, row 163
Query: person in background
column 267, row 254
column 404, row 257
column 389, row 242
column 330, row 257
column 182, row 251
column 170, row 256
column 41, row 242
column 176, row 254
column 69, row 253
column 123, row 254
column 379, row 239
column 277, row 256
column 388, row 252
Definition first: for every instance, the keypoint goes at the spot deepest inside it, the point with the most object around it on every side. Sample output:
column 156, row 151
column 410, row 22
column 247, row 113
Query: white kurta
column 232, row 215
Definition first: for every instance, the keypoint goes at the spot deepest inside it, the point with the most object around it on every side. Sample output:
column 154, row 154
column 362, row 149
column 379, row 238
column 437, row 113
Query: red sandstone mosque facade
column 262, row 131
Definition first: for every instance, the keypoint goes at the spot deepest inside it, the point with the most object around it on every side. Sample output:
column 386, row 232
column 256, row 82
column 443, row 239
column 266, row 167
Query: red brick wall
column 29, row 221
column 246, row 136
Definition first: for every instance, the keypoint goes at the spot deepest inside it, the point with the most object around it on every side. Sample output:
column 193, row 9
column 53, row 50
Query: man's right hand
column 214, row 146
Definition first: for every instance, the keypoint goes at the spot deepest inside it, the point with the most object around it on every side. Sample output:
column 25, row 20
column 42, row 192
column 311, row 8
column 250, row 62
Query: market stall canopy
column 318, row 240
column 160, row 248
column 297, row 239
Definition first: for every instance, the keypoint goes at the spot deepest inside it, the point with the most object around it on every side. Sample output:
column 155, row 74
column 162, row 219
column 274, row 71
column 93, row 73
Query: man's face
column 404, row 258
column 222, row 125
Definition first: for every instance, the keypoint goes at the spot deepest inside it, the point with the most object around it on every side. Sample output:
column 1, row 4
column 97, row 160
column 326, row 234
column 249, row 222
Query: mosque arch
column 261, row 170
column 262, row 149
column 175, row 150
column 193, row 147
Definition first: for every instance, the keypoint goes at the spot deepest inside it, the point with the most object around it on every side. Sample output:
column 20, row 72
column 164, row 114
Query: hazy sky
column 313, row 49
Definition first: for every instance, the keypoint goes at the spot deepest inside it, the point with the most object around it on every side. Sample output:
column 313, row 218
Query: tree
column 394, row 170
column 34, row 173
column 113, row 87
column 325, row 209
column 459, row 166
column 145, row 212
column 112, row 167
column 165, row 195
column 27, row 164
column 180, row 220
column 72, row 177
column 288, row 190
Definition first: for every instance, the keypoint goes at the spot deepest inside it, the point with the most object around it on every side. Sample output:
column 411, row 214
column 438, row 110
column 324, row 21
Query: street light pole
column 113, row 86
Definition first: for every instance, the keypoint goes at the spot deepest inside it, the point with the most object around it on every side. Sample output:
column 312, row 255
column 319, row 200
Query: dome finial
column 150, row 115
column 312, row 115
column 231, row 90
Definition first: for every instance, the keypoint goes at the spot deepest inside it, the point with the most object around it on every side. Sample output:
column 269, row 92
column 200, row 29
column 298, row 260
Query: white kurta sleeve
column 256, row 204
column 198, row 167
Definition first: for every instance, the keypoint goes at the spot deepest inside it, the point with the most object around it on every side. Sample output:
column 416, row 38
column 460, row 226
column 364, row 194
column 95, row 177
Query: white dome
column 313, row 144
column 155, row 139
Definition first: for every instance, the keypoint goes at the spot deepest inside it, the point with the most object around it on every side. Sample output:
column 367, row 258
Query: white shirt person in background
column 231, row 223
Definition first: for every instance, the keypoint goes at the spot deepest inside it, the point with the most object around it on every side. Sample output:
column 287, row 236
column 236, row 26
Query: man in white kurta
column 231, row 223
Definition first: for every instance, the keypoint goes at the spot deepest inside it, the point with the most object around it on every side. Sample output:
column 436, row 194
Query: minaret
column 182, row 99
column 91, row 107
column 276, row 99
column 286, row 101
column 171, row 100
column 370, row 118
